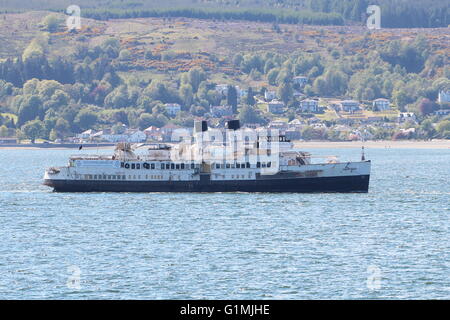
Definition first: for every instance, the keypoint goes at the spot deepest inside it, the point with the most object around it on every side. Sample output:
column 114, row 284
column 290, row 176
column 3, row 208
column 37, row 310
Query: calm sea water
column 393, row 242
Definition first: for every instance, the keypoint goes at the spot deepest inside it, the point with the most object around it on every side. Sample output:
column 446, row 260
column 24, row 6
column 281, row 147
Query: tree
column 29, row 109
column 3, row 131
column 61, row 128
column 86, row 118
column 426, row 127
column 443, row 128
column 249, row 115
column 51, row 22
column 232, row 99
column 426, row 106
column 33, row 129
column 272, row 76
column 186, row 95
column 285, row 92
column 250, row 97
column 196, row 76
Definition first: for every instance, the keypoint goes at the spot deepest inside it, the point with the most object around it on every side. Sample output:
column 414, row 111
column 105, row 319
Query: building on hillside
column 349, row 106
column 221, row 111
column 275, row 106
column 270, row 95
column 300, row 80
column 85, row 135
column 309, row 105
column 381, row 104
column 172, row 109
column 279, row 125
column 8, row 140
column 251, row 125
column 222, row 88
column 406, row 117
column 442, row 112
column 130, row 135
column 444, row 96
column 296, row 124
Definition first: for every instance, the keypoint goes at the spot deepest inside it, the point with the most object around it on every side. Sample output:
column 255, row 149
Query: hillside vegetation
column 123, row 71
column 395, row 14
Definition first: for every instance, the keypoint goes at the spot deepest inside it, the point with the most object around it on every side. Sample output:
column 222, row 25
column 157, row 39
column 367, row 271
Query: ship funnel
column 233, row 125
column 200, row 126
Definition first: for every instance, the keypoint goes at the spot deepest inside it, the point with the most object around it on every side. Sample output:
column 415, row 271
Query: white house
column 85, row 134
column 406, row 117
column 130, row 135
column 172, row 109
column 444, row 96
column 275, row 106
column 278, row 124
column 381, row 104
column 442, row 112
column 270, row 95
column 300, row 80
column 309, row 105
column 222, row 88
column 349, row 106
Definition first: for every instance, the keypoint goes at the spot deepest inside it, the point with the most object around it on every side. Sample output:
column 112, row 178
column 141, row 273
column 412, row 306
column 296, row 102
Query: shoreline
column 382, row 144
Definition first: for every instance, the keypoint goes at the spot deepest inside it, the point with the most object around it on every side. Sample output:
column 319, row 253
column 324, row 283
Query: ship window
column 269, row 164
column 122, row 164
column 177, row 167
column 138, row 166
column 243, row 165
column 238, row 165
column 217, row 165
column 124, row 177
column 152, row 166
column 228, row 166
column 192, row 166
column 172, row 166
column 133, row 166
column 248, row 164
column 167, row 166
column 263, row 164
column 233, row 165
column 182, row 166
column 258, row 164
column 269, row 152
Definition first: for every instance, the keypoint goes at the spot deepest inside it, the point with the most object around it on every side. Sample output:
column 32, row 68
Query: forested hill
column 394, row 13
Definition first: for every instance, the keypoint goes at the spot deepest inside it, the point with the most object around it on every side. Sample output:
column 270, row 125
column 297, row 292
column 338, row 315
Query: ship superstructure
column 234, row 160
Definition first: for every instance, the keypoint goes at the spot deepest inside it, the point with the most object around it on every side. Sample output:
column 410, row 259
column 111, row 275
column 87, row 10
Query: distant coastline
column 381, row 144
column 32, row 146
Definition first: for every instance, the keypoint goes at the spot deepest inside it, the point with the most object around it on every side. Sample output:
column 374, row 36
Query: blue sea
column 392, row 243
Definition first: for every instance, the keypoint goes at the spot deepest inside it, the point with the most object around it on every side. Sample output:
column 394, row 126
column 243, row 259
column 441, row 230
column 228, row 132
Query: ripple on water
column 235, row 246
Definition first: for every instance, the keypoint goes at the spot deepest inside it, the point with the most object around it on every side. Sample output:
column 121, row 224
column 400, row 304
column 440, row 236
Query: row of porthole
column 163, row 166
column 117, row 177
column 242, row 165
